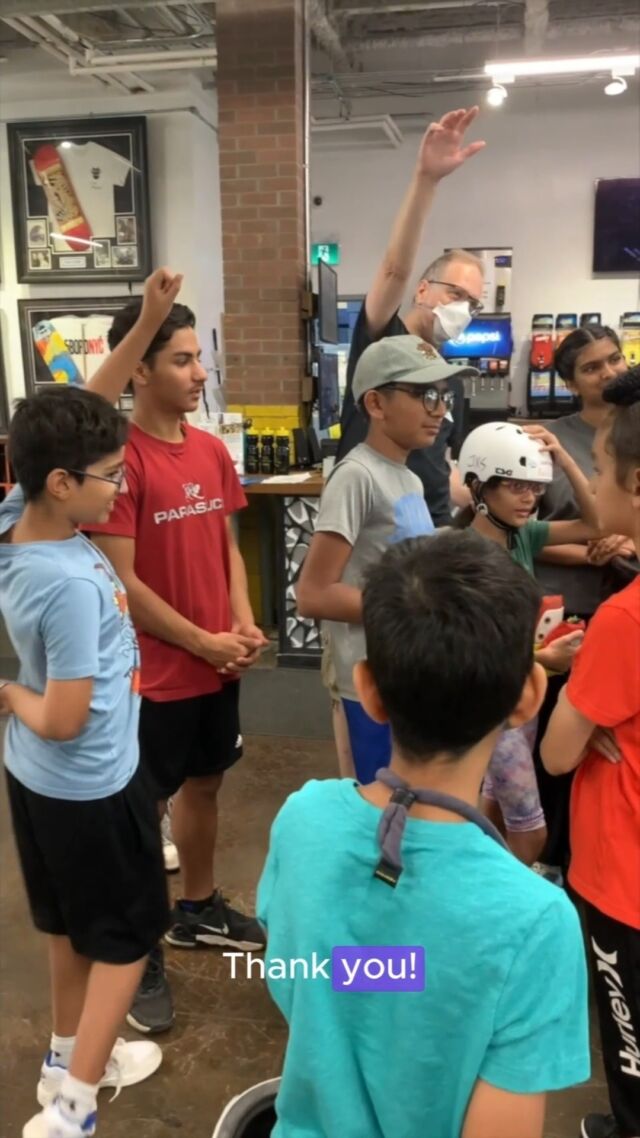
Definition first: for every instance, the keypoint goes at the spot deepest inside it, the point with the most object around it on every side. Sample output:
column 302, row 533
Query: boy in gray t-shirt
column 370, row 502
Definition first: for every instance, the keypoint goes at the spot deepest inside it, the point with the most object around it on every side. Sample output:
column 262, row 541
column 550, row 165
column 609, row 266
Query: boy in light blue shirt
column 501, row 1015
column 85, row 824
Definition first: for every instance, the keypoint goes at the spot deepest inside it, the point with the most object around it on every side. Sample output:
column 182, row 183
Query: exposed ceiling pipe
column 19, row 8
column 442, row 38
column 61, row 53
column 326, row 35
column 558, row 30
column 373, row 123
column 108, row 68
column 80, row 48
column 350, row 10
column 536, row 26
column 97, row 58
column 173, row 21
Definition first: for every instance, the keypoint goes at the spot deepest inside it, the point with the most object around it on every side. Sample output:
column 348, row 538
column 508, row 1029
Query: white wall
column 532, row 188
column 184, row 197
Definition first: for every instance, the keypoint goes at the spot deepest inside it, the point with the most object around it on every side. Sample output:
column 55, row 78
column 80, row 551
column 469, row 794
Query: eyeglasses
column 431, row 396
column 114, row 479
column 457, row 293
column 516, row 487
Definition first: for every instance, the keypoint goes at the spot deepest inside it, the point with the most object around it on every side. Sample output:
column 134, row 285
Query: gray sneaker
column 152, row 1008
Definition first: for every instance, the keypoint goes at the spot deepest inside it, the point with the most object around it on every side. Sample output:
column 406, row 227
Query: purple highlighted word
column 382, row 968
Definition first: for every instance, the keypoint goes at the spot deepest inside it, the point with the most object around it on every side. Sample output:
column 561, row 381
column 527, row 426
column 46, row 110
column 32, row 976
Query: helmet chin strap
column 481, row 507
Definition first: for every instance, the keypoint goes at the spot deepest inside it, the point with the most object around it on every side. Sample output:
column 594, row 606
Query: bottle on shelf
column 267, row 451
column 251, row 449
column 282, row 458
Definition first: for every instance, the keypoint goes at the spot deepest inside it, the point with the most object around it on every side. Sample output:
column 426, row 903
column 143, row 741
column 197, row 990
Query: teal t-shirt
column 506, row 991
column 529, row 543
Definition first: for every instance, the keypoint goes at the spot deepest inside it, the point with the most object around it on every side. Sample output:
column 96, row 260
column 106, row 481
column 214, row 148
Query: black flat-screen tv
column 616, row 237
column 327, row 304
column 328, row 390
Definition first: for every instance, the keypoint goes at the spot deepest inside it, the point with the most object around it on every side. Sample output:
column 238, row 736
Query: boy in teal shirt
column 501, row 1016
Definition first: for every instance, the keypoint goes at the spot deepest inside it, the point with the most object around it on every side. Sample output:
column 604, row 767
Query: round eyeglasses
column 431, row 396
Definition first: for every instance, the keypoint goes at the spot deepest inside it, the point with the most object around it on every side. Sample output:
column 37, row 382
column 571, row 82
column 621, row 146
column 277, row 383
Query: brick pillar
column 261, row 139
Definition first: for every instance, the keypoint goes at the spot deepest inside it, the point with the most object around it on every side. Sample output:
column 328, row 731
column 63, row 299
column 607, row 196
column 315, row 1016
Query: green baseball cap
column 403, row 359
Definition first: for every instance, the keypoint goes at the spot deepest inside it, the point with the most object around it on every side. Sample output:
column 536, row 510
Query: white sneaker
column 169, row 848
column 52, row 1123
column 129, row 1063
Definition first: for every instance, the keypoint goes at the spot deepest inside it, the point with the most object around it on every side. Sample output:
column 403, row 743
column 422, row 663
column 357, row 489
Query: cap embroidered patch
column 428, row 350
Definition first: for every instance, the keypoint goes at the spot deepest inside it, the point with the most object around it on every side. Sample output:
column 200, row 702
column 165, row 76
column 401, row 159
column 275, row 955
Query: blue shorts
column 370, row 741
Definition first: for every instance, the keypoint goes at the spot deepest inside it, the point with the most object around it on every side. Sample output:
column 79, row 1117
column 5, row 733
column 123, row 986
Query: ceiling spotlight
column 617, row 86
column 496, row 95
column 66, row 145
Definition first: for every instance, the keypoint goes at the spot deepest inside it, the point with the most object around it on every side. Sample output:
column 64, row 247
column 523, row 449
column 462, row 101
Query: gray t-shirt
column 580, row 585
column 372, row 503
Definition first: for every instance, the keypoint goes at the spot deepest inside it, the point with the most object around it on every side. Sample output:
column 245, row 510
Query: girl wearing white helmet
column 507, row 469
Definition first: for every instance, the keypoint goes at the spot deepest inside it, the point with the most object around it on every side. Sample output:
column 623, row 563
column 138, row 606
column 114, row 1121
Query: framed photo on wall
column 80, row 199
column 65, row 341
column 4, row 395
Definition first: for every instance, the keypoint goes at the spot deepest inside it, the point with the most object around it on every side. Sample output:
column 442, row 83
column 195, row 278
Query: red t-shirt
column 605, row 802
column 179, row 496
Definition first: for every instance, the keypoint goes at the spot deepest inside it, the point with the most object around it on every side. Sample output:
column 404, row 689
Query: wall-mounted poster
column 4, row 396
column 65, row 341
column 80, row 199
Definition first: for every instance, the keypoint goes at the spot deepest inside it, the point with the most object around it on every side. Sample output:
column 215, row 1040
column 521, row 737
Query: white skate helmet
column 503, row 450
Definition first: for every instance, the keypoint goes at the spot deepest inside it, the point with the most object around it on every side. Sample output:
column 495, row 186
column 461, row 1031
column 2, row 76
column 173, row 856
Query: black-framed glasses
column 431, row 396
column 115, row 479
column 457, row 293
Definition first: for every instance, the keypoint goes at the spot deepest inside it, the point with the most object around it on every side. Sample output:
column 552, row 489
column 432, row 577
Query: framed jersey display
column 80, row 199
column 65, row 341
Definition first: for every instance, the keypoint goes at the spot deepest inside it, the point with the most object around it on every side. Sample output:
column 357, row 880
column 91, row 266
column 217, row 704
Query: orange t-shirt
column 605, row 802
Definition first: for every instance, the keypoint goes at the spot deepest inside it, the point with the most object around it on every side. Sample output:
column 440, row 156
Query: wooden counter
column 312, row 486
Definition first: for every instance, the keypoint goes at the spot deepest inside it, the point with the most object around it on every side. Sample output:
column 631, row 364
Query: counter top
column 312, row 486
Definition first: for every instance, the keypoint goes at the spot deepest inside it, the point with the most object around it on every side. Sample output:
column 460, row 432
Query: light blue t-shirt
column 506, row 990
column 67, row 617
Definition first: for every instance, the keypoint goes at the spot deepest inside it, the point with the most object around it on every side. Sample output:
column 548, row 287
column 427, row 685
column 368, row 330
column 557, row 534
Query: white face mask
column 450, row 321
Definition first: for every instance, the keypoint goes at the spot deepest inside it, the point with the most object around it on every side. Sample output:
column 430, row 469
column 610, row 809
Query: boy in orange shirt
column 596, row 727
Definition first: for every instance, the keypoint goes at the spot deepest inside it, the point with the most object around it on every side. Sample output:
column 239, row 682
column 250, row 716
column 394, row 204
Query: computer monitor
column 328, row 390
column 327, row 304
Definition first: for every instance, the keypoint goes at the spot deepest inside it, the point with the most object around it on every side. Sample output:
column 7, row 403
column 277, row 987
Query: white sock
column 62, row 1048
column 77, row 1099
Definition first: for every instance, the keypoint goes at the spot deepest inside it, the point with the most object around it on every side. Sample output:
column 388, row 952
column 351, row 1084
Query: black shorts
column 190, row 738
column 94, row 871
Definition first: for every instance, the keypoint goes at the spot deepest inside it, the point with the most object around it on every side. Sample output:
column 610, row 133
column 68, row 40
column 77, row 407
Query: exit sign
column 328, row 253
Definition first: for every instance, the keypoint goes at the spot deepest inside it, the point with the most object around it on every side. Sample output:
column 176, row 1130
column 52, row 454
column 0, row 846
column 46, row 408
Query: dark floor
column 227, row 1035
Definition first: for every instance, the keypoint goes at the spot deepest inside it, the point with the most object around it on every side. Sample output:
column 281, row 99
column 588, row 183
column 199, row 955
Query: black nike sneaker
column 217, row 924
column 599, row 1126
column 152, row 1007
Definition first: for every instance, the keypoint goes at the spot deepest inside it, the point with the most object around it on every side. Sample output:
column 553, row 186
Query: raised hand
column 442, row 149
column 160, row 292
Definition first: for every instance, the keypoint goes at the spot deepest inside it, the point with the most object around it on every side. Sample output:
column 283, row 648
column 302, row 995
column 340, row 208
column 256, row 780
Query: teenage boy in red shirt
column 172, row 543
column 596, row 728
